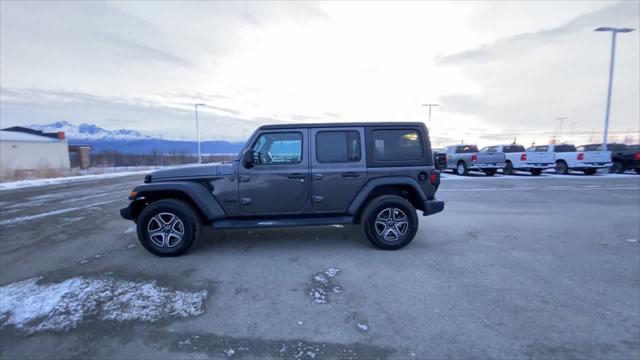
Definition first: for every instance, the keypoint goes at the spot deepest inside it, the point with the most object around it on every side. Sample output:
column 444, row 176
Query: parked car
column 439, row 159
column 569, row 158
column 463, row 158
column 519, row 159
column 373, row 174
column 623, row 157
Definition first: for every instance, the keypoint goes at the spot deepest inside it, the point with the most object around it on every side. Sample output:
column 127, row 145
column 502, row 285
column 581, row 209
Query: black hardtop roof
column 343, row 124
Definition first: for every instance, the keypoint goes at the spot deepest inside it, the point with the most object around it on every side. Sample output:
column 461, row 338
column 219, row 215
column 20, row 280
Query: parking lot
column 515, row 267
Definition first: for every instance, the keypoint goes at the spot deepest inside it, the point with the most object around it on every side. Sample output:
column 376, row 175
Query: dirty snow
column 322, row 285
column 33, row 306
column 362, row 327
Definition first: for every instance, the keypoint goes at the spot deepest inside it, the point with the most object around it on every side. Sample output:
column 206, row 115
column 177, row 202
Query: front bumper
column 127, row 212
column 432, row 207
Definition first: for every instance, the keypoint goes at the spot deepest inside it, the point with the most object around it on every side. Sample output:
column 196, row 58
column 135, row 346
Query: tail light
column 523, row 157
column 636, row 156
column 434, row 178
column 581, row 156
column 474, row 157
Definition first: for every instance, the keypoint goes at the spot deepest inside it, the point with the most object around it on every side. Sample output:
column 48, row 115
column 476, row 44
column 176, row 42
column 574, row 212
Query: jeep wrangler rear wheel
column 168, row 227
column 390, row 222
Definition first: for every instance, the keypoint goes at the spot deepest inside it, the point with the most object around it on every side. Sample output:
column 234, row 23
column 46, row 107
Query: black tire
column 561, row 167
column 536, row 172
column 490, row 172
column 508, row 169
column 375, row 229
column 589, row 171
column 637, row 171
column 157, row 215
column 461, row 168
column 617, row 167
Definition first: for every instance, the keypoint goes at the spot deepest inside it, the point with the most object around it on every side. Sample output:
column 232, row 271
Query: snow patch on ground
column 34, row 307
column 322, row 285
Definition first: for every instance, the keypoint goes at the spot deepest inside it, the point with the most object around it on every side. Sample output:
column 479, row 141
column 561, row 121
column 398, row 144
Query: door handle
column 317, row 176
column 350, row 174
column 297, row 176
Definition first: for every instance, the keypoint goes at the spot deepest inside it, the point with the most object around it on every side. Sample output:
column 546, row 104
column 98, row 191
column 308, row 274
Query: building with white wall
column 32, row 152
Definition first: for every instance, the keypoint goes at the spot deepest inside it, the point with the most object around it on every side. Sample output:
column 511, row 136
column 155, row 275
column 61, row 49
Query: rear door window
column 397, row 145
column 338, row 146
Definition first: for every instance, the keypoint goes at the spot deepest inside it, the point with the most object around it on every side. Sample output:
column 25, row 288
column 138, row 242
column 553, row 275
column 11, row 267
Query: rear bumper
column 538, row 166
column 487, row 166
column 593, row 165
column 433, row 207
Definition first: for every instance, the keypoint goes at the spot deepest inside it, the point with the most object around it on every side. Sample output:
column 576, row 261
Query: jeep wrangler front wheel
column 168, row 227
column 390, row 222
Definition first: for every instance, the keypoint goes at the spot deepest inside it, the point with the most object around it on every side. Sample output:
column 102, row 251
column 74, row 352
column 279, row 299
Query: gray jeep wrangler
column 373, row 174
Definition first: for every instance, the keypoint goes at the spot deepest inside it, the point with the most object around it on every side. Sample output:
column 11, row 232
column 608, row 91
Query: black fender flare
column 360, row 199
column 199, row 195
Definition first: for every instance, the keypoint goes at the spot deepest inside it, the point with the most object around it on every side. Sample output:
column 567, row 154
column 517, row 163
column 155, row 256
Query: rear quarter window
column 397, row 145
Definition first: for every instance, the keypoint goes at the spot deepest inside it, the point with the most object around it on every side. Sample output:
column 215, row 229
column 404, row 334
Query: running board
column 281, row 222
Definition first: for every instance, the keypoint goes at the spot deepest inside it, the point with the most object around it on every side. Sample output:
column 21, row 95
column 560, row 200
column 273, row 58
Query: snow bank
column 35, row 307
column 61, row 180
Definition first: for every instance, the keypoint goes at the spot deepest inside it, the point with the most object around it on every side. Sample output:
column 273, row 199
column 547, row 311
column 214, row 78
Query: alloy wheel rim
column 391, row 224
column 460, row 169
column 165, row 230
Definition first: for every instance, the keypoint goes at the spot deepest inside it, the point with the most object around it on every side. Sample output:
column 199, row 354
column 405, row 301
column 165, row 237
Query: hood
column 207, row 171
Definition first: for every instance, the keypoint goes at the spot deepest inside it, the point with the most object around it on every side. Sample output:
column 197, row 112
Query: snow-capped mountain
column 133, row 142
column 90, row 132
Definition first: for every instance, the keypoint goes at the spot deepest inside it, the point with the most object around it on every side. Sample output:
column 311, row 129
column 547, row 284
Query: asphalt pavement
column 514, row 268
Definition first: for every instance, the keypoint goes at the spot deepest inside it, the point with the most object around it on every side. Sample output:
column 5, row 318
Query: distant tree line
column 155, row 158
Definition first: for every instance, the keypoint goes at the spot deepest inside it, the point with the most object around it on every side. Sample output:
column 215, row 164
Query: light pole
column 430, row 106
column 561, row 119
column 614, row 33
column 198, row 134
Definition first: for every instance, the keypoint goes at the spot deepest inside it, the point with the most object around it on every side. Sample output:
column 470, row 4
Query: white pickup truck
column 569, row 158
column 517, row 158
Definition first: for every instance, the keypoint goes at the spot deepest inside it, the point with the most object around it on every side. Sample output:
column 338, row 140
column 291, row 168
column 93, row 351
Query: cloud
column 619, row 13
column 143, row 53
column 463, row 103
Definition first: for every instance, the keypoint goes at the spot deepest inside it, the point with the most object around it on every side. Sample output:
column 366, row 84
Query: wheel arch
column 195, row 194
column 403, row 186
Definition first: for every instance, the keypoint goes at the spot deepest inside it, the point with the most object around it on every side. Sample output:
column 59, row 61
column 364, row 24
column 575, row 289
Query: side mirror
column 247, row 158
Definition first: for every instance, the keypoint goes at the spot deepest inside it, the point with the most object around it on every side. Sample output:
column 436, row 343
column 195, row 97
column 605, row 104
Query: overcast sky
column 497, row 69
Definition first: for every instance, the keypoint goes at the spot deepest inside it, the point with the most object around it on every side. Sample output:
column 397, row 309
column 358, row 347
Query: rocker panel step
column 281, row 222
